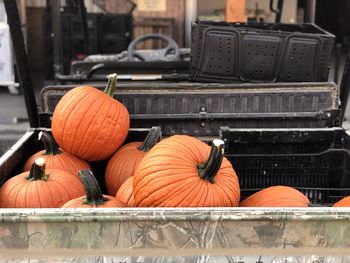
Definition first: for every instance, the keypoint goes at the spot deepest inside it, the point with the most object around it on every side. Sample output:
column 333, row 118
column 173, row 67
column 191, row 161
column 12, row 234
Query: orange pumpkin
column 55, row 158
column 123, row 163
column 126, row 193
column 276, row 196
column 89, row 123
column 345, row 202
column 93, row 195
column 182, row 171
column 40, row 188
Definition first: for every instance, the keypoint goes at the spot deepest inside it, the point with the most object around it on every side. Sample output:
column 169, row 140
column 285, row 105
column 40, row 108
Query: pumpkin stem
column 93, row 191
column 51, row 147
column 112, row 81
column 37, row 170
column 208, row 170
column 152, row 138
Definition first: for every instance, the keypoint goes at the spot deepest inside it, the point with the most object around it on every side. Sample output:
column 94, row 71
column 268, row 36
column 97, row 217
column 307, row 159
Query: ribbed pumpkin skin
column 345, row 202
column 63, row 161
column 59, row 188
column 126, row 193
column 276, row 196
column 78, row 203
column 168, row 177
column 90, row 124
column 122, row 166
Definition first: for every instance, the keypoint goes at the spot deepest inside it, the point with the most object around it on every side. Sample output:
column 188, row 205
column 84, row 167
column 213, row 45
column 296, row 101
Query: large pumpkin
column 276, row 196
column 123, row 163
column 89, row 123
column 93, row 195
column 126, row 192
column 345, row 202
column 182, row 171
column 40, row 188
column 55, row 158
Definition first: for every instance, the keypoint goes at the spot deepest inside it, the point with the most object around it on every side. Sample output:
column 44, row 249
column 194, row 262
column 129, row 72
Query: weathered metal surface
column 186, row 235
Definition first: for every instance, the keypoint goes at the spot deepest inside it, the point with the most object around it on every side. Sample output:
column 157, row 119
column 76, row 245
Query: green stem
column 51, row 147
column 152, row 138
column 209, row 170
column 37, row 170
column 93, row 191
column 112, row 81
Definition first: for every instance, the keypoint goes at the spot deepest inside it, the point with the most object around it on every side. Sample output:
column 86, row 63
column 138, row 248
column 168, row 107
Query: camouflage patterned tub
column 176, row 235
column 318, row 157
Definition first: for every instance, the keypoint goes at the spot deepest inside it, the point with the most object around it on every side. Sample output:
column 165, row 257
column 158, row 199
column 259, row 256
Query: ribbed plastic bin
column 201, row 109
column 315, row 161
column 226, row 52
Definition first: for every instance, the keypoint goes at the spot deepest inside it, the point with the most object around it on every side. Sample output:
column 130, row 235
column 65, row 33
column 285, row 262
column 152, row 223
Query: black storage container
column 120, row 25
column 201, row 109
column 226, row 52
column 110, row 33
column 315, row 161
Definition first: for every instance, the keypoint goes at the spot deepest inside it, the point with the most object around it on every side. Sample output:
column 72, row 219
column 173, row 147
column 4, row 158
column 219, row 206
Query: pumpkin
column 93, row 195
column 123, row 163
column 182, row 171
column 345, row 202
column 40, row 188
column 276, row 196
column 55, row 158
column 126, row 193
column 89, row 123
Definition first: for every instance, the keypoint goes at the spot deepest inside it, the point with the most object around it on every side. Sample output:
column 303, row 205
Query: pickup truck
column 309, row 156
column 281, row 133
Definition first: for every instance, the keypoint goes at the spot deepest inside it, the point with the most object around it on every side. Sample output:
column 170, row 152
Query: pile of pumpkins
column 180, row 171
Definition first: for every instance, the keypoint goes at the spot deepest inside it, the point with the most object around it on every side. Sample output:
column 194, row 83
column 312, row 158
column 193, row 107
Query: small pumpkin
column 182, row 171
column 93, row 195
column 40, row 188
column 126, row 192
column 345, row 202
column 55, row 158
column 89, row 123
column 276, row 196
column 123, row 163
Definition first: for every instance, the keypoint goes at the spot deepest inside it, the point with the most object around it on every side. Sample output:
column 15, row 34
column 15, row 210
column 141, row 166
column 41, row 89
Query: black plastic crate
column 77, row 46
column 315, row 161
column 49, row 60
column 201, row 109
column 47, row 25
column 110, row 33
column 112, row 44
column 119, row 24
column 76, row 27
column 224, row 52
